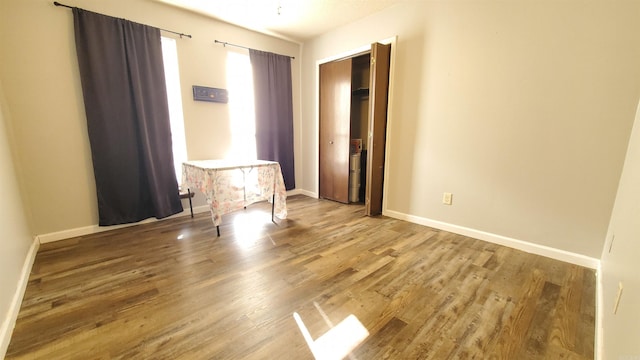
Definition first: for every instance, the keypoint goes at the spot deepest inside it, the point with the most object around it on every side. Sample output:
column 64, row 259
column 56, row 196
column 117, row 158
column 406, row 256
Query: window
column 241, row 106
column 174, row 99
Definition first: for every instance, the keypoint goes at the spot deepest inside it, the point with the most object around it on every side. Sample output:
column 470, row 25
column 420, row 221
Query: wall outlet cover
column 447, row 198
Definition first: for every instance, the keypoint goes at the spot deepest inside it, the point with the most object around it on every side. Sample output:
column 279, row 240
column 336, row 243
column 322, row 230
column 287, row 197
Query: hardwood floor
column 173, row 290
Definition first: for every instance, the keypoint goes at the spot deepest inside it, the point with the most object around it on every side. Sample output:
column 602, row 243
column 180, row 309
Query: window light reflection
column 336, row 343
column 248, row 228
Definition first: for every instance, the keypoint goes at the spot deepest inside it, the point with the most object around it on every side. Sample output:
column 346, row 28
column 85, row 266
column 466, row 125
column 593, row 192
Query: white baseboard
column 12, row 315
column 93, row 229
column 294, row 192
column 599, row 314
column 537, row 249
column 308, row 193
column 562, row 255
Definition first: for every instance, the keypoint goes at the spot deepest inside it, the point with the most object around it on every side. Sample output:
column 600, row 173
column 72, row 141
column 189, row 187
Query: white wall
column 43, row 91
column 521, row 109
column 15, row 236
column 619, row 262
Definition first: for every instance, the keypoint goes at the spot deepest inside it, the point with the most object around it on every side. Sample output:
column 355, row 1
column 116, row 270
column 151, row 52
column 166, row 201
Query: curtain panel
column 274, row 111
column 125, row 100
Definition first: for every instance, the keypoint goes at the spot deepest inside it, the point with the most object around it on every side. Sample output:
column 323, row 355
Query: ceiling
column 296, row 20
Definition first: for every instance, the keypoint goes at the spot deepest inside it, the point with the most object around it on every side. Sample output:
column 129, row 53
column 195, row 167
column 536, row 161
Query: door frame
column 352, row 53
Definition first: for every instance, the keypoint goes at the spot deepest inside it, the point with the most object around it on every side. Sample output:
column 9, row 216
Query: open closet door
column 335, row 112
column 378, row 96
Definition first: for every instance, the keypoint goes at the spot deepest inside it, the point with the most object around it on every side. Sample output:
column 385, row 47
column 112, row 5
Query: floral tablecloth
column 231, row 185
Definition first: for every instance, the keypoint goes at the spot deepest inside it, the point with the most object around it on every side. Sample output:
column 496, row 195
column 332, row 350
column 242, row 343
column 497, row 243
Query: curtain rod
column 224, row 43
column 173, row 32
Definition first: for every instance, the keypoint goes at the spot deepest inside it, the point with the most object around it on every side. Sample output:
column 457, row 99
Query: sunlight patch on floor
column 248, row 228
column 336, row 343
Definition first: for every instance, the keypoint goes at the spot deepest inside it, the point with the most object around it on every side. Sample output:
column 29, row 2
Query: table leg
column 218, row 230
column 273, row 197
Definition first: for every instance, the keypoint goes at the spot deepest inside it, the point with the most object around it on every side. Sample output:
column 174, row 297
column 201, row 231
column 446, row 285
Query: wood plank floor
column 173, row 290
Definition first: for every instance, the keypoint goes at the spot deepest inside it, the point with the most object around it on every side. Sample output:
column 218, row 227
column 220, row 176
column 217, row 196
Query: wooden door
column 378, row 97
column 335, row 112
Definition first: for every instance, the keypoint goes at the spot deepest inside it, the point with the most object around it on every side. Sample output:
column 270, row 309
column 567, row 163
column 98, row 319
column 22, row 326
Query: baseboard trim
column 294, row 192
column 598, row 351
column 93, row 229
column 562, row 255
column 537, row 249
column 10, row 321
column 308, row 193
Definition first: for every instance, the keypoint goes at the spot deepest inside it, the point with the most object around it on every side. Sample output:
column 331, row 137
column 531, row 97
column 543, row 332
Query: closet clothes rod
column 224, row 43
column 169, row 31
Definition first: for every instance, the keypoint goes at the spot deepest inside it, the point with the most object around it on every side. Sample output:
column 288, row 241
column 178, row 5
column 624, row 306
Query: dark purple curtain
column 274, row 111
column 125, row 101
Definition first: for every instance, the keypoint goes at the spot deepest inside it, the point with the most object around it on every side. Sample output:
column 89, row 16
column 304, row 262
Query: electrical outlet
column 447, row 198
column 618, row 296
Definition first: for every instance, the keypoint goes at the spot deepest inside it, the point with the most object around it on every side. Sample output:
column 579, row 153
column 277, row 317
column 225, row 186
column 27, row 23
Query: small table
column 232, row 185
